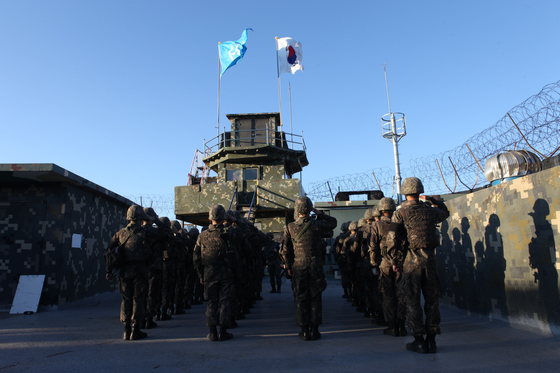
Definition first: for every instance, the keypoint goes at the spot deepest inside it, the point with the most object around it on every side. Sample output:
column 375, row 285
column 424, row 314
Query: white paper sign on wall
column 28, row 293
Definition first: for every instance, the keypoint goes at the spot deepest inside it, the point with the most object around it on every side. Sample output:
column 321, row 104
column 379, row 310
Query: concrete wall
column 499, row 255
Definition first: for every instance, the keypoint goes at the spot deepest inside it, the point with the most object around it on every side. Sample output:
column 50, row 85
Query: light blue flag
column 232, row 52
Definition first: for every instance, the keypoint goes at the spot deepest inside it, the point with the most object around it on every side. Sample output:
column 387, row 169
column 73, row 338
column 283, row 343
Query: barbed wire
column 163, row 204
column 533, row 125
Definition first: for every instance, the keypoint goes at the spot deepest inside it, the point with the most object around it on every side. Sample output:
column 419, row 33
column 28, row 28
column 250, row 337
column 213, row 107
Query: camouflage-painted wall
column 37, row 221
column 499, row 254
column 272, row 194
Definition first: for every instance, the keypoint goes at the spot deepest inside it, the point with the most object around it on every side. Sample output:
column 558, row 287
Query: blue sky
column 123, row 92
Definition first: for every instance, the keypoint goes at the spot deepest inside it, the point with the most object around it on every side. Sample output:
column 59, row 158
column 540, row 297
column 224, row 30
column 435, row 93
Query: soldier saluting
column 135, row 251
column 420, row 267
column 304, row 255
column 214, row 260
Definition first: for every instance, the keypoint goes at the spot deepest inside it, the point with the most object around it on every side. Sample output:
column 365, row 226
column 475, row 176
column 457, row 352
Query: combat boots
column 127, row 332
column 150, row 324
column 392, row 330
column 137, row 333
column 279, row 286
column 258, row 297
column 273, row 290
column 402, row 327
column 165, row 316
column 418, row 345
column 213, row 335
column 180, row 311
column 345, row 295
column 224, row 335
column 315, row 335
column 305, row 334
column 431, row 342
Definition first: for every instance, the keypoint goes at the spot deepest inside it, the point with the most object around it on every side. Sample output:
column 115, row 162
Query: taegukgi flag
column 232, row 52
column 290, row 55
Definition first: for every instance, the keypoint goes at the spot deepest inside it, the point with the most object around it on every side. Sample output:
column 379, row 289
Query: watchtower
column 254, row 163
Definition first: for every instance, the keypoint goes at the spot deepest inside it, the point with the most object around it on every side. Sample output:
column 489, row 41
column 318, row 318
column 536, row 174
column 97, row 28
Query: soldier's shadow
column 542, row 259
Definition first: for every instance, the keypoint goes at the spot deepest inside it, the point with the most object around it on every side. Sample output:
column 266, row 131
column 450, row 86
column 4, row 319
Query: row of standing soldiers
column 158, row 274
column 387, row 261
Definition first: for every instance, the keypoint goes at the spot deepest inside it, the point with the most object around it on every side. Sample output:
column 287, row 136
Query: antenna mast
column 393, row 128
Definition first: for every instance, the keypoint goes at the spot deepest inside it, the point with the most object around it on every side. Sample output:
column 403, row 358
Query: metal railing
column 254, row 137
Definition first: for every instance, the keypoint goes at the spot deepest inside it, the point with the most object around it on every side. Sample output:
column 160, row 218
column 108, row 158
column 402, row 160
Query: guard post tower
column 254, row 163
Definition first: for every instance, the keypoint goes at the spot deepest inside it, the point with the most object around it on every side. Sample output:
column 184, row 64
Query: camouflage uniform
column 169, row 267
column 155, row 267
column 133, row 242
column 372, row 296
column 341, row 260
column 192, row 277
column 215, row 263
column 304, row 257
column 270, row 254
column 182, row 243
column 420, row 267
column 386, row 249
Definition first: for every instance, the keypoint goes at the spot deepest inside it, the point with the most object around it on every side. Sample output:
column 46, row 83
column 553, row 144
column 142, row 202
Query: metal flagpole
column 219, row 79
column 291, row 129
column 279, row 94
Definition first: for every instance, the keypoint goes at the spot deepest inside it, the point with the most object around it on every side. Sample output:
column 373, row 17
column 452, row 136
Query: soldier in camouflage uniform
column 191, row 272
column 369, row 274
column 304, row 255
column 345, row 258
column 215, row 263
column 386, row 252
column 169, row 266
column 360, row 267
column 182, row 244
column 337, row 248
column 270, row 253
column 155, row 276
column 133, row 243
column 420, row 267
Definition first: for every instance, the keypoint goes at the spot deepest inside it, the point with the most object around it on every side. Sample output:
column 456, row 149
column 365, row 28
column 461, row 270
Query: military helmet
column 361, row 222
column 386, row 204
column 165, row 220
column 175, row 224
column 412, row 185
column 150, row 212
column 217, row 212
column 353, row 226
column 270, row 234
column 303, row 206
column 136, row 212
column 368, row 215
column 193, row 233
column 375, row 213
column 344, row 227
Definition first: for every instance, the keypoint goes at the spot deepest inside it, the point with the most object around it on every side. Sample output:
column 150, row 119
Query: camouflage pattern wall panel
column 30, row 237
column 275, row 225
column 499, row 253
column 275, row 194
column 96, row 220
column 199, row 198
column 187, row 199
column 37, row 221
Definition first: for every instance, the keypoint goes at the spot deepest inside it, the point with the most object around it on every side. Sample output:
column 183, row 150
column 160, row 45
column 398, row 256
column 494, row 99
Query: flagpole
column 219, row 79
column 279, row 93
column 291, row 129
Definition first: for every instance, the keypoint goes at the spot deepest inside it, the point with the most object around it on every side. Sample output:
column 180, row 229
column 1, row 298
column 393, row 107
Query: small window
column 250, row 174
column 232, row 175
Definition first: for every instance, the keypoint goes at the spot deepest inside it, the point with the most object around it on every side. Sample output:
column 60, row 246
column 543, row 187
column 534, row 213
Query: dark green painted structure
column 254, row 163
